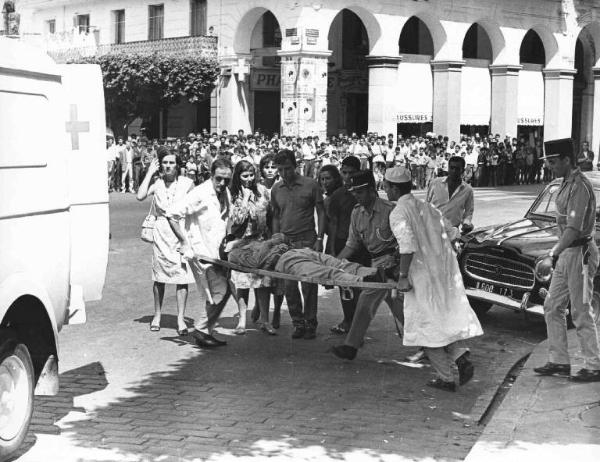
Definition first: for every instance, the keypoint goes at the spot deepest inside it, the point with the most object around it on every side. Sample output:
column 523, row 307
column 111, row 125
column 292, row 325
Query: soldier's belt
column 580, row 242
column 383, row 253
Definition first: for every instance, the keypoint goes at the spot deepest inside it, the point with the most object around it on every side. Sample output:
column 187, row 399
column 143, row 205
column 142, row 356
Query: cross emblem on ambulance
column 241, row 69
column 75, row 127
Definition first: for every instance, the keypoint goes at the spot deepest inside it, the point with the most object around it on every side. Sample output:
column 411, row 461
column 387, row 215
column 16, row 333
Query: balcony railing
column 75, row 45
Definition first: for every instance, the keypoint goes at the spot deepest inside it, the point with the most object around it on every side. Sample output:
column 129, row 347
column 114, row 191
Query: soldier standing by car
column 576, row 256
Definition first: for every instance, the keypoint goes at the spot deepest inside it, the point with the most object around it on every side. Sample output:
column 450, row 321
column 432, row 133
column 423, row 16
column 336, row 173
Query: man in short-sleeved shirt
column 453, row 196
column 576, row 257
column 369, row 228
column 294, row 200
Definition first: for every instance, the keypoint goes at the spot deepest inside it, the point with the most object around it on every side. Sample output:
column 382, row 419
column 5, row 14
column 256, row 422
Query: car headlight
column 543, row 268
column 459, row 245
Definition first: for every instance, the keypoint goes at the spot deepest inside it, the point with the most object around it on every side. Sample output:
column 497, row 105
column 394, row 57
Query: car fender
column 20, row 284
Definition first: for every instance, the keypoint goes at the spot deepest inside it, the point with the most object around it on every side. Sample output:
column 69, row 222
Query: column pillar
column 505, row 96
column 558, row 103
column 304, row 93
column 383, row 78
column 447, row 98
column 233, row 93
column 595, row 138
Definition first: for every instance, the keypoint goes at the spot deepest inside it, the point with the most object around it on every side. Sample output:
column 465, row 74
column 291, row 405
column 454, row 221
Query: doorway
column 357, row 113
column 267, row 113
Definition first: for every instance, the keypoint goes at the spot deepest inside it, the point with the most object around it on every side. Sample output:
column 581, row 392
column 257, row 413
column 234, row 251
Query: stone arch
column 245, row 27
column 590, row 36
column 435, row 28
column 494, row 36
column 370, row 22
column 532, row 49
column 585, row 58
column 549, row 42
column 422, row 44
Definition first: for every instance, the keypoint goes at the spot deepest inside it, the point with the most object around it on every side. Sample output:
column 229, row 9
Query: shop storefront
column 476, row 97
column 414, row 98
column 530, row 106
column 265, row 85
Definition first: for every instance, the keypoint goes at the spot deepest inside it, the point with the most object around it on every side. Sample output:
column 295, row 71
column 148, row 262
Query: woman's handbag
column 148, row 224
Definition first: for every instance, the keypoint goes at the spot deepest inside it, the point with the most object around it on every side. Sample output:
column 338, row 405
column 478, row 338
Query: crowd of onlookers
column 490, row 160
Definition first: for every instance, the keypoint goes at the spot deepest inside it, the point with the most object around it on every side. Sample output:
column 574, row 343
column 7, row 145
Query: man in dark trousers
column 294, row 200
column 338, row 208
column 369, row 228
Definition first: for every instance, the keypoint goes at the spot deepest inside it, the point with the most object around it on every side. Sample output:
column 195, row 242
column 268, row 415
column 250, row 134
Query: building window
column 51, row 26
column 82, row 22
column 197, row 17
column 118, row 17
column 156, row 21
column 271, row 31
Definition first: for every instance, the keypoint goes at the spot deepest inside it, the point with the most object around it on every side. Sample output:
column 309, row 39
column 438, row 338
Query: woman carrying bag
column 167, row 264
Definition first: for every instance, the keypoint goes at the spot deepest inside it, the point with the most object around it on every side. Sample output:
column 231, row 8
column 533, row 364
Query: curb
column 512, row 433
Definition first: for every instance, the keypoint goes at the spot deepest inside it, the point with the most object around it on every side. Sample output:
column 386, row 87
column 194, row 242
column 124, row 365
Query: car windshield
column 546, row 203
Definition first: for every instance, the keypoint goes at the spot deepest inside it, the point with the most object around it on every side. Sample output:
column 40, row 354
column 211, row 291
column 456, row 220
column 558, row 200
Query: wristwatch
column 402, row 275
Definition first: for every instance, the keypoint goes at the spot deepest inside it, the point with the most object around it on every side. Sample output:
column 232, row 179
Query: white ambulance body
column 53, row 219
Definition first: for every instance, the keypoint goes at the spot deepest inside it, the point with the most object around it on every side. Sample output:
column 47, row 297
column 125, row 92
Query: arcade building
column 315, row 67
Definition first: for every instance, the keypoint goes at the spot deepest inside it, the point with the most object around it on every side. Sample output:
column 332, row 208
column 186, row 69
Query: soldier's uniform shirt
column 576, row 209
column 576, row 205
column 372, row 229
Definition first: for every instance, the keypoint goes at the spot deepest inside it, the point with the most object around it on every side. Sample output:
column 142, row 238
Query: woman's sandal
column 182, row 332
column 239, row 331
column 154, row 328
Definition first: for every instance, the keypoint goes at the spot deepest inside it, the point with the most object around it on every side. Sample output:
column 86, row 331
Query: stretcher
column 290, row 277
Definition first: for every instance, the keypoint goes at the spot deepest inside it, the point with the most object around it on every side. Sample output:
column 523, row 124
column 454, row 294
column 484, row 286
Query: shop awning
column 414, row 98
column 476, row 96
column 530, row 106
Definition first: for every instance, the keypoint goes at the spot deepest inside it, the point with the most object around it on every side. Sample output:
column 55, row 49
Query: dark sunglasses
column 220, row 179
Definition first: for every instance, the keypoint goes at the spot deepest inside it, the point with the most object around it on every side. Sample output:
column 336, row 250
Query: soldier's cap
column 398, row 175
column 361, row 179
column 556, row 148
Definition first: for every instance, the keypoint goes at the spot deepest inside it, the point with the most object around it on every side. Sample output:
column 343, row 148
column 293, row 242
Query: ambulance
column 53, row 220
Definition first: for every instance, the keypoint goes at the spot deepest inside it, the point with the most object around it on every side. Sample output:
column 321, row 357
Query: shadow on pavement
column 268, row 396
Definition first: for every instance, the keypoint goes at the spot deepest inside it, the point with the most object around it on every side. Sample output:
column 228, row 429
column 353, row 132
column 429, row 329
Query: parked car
column 502, row 264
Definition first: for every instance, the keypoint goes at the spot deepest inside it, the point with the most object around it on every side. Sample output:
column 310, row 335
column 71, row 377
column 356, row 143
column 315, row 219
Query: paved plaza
column 128, row 394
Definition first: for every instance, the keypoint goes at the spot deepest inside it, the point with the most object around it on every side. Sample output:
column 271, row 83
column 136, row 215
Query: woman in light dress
column 249, row 220
column 167, row 264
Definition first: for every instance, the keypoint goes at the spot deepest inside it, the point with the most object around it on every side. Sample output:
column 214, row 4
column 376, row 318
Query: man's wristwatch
column 402, row 275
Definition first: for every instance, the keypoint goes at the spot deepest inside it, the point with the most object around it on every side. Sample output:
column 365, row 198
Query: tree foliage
column 138, row 85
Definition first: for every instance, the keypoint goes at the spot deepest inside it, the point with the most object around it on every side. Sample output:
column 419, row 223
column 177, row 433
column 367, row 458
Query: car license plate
column 492, row 289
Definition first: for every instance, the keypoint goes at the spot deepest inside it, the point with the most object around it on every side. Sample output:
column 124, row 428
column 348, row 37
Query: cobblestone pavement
column 128, row 394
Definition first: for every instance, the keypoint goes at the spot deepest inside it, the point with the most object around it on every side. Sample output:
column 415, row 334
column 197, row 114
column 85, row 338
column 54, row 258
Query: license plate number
column 492, row 289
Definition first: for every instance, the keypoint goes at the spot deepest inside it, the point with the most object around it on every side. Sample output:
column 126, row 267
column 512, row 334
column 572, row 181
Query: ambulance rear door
column 85, row 129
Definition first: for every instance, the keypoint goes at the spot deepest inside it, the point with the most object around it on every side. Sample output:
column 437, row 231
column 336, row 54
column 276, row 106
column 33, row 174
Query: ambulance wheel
column 479, row 306
column 16, row 395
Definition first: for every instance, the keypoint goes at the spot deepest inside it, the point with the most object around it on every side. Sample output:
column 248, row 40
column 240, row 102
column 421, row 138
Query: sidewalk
column 544, row 418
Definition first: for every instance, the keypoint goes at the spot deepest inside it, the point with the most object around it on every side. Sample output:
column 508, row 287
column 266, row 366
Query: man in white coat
column 437, row 314
column 206, row 211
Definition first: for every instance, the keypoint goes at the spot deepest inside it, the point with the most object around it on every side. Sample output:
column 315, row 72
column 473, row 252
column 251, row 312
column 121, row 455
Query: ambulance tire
column 16, row 396
column 480, row 307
